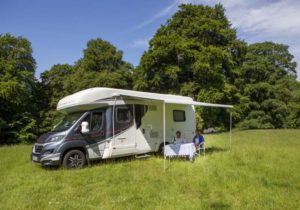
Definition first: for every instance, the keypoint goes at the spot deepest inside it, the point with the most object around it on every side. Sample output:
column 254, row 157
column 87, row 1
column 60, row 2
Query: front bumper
column 46, row 160
column 44, row 157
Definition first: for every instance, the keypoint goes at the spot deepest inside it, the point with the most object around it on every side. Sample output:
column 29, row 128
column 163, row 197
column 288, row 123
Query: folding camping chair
column 201, row 147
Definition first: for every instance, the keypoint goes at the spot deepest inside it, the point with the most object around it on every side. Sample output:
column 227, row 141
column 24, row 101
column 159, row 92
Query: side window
column 179, row 115
column 96, row 122
column 152, row 108
column 123, row 115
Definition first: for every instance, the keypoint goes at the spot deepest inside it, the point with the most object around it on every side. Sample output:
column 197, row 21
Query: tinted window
column 123, row 115
column 178, row 115
column 123, row 118
column 96, row 123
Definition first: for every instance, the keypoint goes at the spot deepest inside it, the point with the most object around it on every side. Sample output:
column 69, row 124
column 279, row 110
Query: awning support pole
column 164, row 127
column 230, row 131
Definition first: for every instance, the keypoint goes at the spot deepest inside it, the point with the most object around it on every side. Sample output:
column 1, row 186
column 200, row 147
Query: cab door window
column 97, row 121
column 88, row 120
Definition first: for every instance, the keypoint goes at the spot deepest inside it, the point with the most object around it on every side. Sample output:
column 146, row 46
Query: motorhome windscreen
column 67, row 121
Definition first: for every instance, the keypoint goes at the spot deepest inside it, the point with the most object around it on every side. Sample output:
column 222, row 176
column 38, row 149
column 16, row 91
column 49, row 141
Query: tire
column 74, row 159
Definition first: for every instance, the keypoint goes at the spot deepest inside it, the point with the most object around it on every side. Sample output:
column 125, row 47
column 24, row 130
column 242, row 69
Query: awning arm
column 176, row 101
column 196, row 103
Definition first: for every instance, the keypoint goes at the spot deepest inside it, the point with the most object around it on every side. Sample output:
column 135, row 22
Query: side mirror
column 85, row 127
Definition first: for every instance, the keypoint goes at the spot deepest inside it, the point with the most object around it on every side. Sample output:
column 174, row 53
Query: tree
column 100, row 55
column 51, row 90
column 268, row 81
column 101, row 66
column 196, row 53
column 53, row 82
column 17, row 85
column 267, row 62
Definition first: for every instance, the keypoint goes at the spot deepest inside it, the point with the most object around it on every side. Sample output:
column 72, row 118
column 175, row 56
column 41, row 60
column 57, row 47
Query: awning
column 187, row 101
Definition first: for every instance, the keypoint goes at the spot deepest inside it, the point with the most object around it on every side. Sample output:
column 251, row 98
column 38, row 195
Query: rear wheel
column 74, row 159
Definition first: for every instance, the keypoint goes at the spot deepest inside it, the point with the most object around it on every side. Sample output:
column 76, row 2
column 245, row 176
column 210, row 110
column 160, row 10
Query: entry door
column 142, row 136
column 124, row 143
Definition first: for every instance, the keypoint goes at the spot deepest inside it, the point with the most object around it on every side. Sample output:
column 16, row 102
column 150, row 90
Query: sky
column 59, row 29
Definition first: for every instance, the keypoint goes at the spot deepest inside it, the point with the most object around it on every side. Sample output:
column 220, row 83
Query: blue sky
column 60, row 29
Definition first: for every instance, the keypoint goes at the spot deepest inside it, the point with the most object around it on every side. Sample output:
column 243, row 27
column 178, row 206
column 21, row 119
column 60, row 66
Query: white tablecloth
column 187, row 149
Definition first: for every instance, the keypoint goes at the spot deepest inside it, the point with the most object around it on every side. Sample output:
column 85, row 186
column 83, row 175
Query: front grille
column 38, row 148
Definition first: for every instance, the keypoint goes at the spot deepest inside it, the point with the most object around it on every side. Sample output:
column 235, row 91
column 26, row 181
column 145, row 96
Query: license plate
column 34, row 158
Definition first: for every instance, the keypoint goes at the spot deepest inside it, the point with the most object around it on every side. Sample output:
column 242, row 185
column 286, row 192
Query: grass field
column 262, row 171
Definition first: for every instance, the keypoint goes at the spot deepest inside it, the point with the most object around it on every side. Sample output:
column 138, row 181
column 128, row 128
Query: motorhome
column 103, row 123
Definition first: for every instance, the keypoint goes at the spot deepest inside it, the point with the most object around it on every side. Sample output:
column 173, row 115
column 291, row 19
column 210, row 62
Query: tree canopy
column 196, row 53
column 17, row 89
column 101, row 65
column 269, row 87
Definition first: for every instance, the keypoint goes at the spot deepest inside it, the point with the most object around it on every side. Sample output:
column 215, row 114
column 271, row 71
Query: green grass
column 262, row 171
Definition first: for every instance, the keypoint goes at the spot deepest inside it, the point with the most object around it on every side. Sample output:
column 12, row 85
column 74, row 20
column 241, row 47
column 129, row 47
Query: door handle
column 121, row 138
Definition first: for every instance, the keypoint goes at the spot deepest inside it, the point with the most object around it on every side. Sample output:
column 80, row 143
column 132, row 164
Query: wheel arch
column 73, row 145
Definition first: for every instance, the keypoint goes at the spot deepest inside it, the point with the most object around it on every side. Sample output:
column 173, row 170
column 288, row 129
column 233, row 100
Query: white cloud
column 170, row 9
column 141, row 43
column 164, row 12
column 277, row 18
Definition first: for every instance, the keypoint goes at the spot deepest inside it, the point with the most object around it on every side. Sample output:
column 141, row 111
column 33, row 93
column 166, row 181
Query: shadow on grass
column 211, row 150
column 208, row 151
column 119, row 160
column 219, row 205
column 127, row 159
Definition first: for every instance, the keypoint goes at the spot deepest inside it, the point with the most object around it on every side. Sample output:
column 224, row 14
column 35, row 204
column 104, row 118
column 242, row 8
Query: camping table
column 177, row 150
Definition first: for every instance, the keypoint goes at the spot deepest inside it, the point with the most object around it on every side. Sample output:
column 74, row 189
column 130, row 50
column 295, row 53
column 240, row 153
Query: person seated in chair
column 198, row 139
column 178, row 139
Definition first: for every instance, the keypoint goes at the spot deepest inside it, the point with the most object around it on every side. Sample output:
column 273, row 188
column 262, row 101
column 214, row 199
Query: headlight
column 56, row 138
column 48, row 152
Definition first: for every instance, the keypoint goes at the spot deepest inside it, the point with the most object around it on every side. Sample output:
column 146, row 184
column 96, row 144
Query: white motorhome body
column 126, row 122
column 137, row 139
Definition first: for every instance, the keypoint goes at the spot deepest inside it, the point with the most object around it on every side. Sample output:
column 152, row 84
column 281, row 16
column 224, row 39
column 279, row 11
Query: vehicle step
column 142, row 156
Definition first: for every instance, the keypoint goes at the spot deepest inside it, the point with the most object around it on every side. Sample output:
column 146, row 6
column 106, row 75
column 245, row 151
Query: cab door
column 124, row 138
column 96, row 136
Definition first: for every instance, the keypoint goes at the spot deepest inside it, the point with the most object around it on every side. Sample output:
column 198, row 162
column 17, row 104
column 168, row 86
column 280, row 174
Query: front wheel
column 74, row 159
